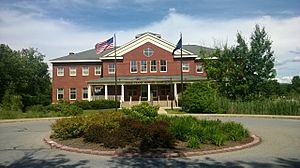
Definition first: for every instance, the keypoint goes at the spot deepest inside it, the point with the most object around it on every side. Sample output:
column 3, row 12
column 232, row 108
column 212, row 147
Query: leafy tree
column 242, row 71
column 296, row 83
column 25, row 74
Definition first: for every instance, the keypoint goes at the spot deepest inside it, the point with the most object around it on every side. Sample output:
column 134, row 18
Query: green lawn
column 175, row 111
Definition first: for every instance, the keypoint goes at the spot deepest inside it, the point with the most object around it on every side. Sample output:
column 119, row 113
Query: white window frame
column 131, row 66
column 83, row 92
column 197, row 65
column 57, row 93
column 153, row 66
column 85, row 71
column 111, row 68
column 98, row 69
column 160, row 66
column 72, row 71
column 60, row 71
column 144, row 66
column 70, row 94
column 185, row 65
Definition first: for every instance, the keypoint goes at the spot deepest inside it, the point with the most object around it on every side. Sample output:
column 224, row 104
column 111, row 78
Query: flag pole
column 181, row 74
column 115, row 46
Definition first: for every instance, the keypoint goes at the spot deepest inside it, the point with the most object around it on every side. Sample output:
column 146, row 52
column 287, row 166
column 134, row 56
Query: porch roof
column 146, row 79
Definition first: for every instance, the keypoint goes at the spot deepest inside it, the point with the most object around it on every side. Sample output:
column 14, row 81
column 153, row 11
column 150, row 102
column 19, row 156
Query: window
column 143, row 66
column 60, row 94
column 72, row 93
column 72, row 71
column 85, row 94
column 185, row 67
column 199, row 68
column 98, row 70
column 111, row 68
column 148, row 52
column 85, row 71
column 163, row 66
column 60, row 71
column 133, row 66
column 153, row 66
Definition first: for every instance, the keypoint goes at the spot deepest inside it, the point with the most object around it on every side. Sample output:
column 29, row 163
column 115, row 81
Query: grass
column 175, row 111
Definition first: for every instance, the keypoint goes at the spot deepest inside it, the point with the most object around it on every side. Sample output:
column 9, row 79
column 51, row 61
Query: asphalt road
column 21, row 145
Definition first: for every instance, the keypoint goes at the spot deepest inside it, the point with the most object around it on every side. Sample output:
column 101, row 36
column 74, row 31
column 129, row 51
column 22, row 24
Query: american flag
column 100, row 47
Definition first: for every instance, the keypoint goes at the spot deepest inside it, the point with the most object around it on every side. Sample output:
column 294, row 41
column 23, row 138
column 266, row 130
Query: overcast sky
column 57, row 27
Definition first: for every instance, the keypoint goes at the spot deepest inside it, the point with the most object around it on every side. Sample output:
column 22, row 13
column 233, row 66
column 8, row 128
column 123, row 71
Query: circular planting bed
column 141, row 131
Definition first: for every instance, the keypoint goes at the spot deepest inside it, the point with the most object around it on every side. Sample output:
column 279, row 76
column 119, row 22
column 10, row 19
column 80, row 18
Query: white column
column 122, row 92
column 175, row 92
column 149, row 92
column 105, row 92
column 89, row 92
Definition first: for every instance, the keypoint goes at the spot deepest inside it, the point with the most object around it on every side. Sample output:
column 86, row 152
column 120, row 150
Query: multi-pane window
column 85, row 71
column 185, row 67
column 98, row 70
column 72, row 71
column 148, row 52
column 153, row 66
column 60, row 94
column 72, row 93
column 133, row 66
column 163, row 66
column 199, row 68
column 143, row 66
column 111, row 68
column 60, row 71
column 85, row 93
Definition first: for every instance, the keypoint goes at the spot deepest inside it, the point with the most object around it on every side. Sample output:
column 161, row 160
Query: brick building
column 146, row 71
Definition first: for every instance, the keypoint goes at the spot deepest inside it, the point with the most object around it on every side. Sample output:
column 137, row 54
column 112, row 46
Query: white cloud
column 57, row 38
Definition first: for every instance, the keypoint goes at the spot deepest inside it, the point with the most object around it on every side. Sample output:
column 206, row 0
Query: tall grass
column 282, row 106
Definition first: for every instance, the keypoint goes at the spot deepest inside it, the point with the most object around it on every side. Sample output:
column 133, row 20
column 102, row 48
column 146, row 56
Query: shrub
column 193, row 142
column 180, row 127
column 200, row 98
column 11, row 102
column 37, row 109
column 65, row 109
column 143, row 112
column 234, row 131
column 67, row 128
column 103, row 104
column 85, row 105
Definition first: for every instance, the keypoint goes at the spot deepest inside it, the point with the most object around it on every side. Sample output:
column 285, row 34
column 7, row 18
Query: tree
column 243, row 72
column 296, row 83
column 23, row 73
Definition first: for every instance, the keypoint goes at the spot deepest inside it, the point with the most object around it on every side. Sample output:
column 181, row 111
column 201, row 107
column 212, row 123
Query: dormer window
column 148, row 52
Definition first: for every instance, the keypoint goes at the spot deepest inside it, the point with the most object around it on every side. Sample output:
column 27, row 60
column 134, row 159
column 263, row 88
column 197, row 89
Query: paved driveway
column 21, row 146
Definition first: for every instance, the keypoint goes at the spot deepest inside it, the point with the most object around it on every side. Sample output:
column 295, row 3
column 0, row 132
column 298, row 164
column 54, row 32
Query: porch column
column 122, row 92
column 175, row 92
column 149, row 92
column 89, row 92
column 105, row 92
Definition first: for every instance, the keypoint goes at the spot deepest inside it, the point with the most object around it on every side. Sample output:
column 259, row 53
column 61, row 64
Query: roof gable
column 143, row 39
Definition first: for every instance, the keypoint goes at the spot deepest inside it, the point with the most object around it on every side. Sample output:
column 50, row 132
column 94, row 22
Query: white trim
column 66, row 61
column 114, row 69
column 63, row 93
column 82, row 71
column 96, row 70
column 70, row 94
column 210, row 58
column 185, row 56
column 111, row 58
column 63, row 71
column 151, row 66
column 71, row 67
column 188, row 65
column 82, row 92
column 142, row 66
column 136, row 65
column 164, row 65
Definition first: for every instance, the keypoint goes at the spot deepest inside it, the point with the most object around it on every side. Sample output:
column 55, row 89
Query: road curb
column 240, row 116
column 256, row 140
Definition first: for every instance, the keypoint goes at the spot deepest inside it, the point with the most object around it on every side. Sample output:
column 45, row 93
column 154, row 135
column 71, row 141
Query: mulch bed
column 180, row 147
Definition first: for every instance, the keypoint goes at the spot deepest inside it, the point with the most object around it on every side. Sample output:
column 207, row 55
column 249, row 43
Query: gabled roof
column 91, row 56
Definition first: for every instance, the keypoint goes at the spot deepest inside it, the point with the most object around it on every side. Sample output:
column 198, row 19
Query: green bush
column 200, row 98
column 37, row 109
column 65, row 109
column 180, row 127
column 84, row 104
column 11, row 102
column 143, row 112
column 103, row 104
column 68, row 128
column 193, row 142
column 234, row 131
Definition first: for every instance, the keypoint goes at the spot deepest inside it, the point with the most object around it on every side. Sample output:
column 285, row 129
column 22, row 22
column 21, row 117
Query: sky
column 57, row 27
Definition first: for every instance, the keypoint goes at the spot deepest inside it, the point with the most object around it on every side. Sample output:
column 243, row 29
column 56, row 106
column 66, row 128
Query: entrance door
column 144, row 92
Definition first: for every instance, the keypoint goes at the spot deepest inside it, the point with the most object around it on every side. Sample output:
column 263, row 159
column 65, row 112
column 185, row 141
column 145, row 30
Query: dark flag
column 178, row 46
